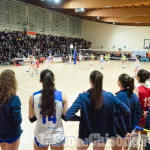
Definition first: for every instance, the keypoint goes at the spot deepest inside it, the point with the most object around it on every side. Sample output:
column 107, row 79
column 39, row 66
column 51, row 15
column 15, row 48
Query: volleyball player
column 47, row 106
column 123, row 61
column 106, row 59
column 137, row 65
column 143, row 91
column 127, row 123
column 97, row 114
column 102, row 61
column 37, row 65
column 33, row 66
column 80, row 57
column 49, row 61
column 92, row 59
column 10, row 112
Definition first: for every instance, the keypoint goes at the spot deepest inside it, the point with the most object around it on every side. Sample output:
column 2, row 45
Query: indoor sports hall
column 74, row 50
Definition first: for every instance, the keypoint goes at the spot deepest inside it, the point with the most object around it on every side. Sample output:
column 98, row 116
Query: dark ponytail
column 143, row 75
column 127, row 83
column 48, row 107
column 96, row 93
column 131, row 86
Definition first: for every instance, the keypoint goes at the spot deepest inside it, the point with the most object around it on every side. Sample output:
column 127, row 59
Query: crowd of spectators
column 19, row 44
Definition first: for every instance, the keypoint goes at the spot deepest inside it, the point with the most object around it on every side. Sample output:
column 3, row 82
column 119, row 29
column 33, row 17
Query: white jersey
column 49, row 58
column 102, row 59
column 33, row 60
column 49, row 130
column 137, row 63
column 80, row 58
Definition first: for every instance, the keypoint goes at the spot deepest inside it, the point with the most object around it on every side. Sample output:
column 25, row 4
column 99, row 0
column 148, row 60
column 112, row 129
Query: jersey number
column 53, row 118
column 147, row 102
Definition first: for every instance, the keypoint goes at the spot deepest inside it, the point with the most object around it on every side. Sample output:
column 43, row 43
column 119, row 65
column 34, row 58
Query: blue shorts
column 137, row 67
column 102, row 60
column 40, row 145
column 9, row 140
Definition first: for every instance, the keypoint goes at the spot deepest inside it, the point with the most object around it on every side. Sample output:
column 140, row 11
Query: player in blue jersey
column 10, row 112
column 127, row 123
column 98, row 111
column 48, row 106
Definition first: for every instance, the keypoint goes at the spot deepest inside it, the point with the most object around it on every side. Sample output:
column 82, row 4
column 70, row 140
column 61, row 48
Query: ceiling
column 122, row 12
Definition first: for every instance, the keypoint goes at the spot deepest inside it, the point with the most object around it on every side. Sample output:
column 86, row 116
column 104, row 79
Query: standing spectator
column 10, row 112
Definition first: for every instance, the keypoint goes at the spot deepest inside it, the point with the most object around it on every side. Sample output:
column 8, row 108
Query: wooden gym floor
column 72, row 80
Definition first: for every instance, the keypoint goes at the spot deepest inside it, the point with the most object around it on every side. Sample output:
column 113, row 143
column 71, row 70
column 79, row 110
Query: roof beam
column 141, row 11
column 143, row 19
column 72, row 4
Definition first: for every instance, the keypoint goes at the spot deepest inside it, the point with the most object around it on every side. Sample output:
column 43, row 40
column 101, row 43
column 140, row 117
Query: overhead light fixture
column 107, row 6
column 57, row 1
column 79, row 10
column 114, row 23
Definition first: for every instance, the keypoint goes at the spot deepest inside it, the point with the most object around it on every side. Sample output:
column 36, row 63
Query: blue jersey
column 127, row 123
column 49, row 130
column 93, row 121
column 10, row 119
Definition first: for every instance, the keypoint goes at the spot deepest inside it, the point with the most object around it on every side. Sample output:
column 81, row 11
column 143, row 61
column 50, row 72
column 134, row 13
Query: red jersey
column 144, row 97
column 37, row 63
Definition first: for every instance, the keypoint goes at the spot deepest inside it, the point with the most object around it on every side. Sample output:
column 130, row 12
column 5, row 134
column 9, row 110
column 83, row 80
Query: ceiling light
column 57, row 1
column 107, row 6
column 79, row 10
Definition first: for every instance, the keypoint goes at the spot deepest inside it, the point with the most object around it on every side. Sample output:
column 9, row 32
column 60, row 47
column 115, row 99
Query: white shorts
column 40, row 145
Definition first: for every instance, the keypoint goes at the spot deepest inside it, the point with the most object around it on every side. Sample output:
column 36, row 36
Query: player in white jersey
column 80, row 57
column 102, row 61
column 49, row 61
column 137, row 65
column 48, row 106
column 33, row 66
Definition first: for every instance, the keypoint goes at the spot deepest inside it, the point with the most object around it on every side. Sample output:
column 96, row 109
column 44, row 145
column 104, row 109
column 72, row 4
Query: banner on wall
column 141, row 53
column 57, row 59
column 31, row 34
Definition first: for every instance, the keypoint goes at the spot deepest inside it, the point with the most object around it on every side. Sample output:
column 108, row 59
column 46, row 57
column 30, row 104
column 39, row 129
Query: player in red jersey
column 143, row 91
column 37, row 65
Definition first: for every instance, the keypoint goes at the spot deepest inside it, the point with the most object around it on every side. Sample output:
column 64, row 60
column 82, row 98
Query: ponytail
column 127, row 83
column 48, row 107
column 96, row 94
column 131, row 86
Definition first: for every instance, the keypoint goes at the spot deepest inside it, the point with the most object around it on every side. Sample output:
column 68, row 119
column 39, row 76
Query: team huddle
column 101, row 112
